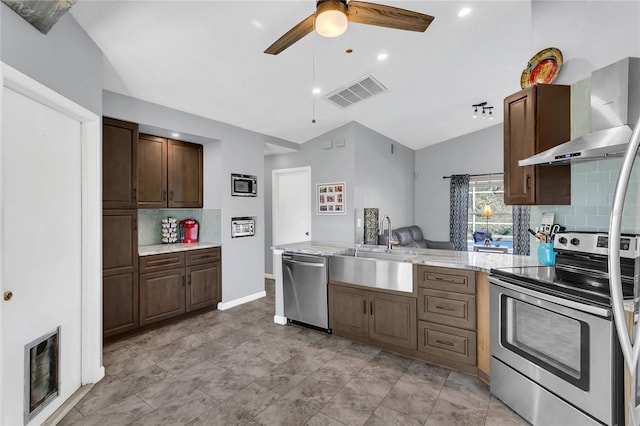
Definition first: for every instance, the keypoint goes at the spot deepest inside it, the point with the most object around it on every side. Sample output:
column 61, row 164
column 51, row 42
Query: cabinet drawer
column 456, row 280
column 160, row 262
column 447, row 343
column 447, row 308
column 198, row 257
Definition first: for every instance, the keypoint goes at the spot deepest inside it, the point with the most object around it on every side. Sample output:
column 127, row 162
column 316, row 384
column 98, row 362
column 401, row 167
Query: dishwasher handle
column 297, row 262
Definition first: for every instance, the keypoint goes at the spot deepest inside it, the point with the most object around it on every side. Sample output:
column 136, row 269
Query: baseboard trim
column 280, row 320
column 223, row 306
column 269, row 276
column 68, row 405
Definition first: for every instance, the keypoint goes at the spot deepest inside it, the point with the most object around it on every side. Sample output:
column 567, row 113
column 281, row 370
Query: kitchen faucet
column 390, row 240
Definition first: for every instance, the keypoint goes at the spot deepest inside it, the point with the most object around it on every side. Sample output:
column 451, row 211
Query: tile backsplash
column 149, row 223
column 592, row 186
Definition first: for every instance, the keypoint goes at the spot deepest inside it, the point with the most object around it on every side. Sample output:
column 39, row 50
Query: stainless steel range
column 555, row 357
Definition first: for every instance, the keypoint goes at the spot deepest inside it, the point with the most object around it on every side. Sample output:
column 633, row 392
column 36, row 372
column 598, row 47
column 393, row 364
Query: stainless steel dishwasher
column 305, row 280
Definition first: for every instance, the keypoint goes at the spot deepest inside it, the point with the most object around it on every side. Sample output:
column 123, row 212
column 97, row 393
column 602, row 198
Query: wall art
column 331, row 198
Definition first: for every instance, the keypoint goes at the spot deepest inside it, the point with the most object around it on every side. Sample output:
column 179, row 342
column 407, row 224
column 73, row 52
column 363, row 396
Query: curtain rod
column 481, row 174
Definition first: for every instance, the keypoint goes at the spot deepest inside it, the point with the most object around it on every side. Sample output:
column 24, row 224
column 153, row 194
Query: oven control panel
column 596, row 243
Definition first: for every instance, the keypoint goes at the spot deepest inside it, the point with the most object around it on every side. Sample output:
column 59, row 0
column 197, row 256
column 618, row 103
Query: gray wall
column 383, row 179
column 474, row 153
column 228, row 149
column 65, row 60
column 327, row 165
column 373, row 177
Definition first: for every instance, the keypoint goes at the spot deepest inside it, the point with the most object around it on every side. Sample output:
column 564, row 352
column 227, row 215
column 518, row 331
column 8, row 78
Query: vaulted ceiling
column 206, row 58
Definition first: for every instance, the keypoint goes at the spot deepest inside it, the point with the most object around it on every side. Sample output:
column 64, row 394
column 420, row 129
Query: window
column 489, row 190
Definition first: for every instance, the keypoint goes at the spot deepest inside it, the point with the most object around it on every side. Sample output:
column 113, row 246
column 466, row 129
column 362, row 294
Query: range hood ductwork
column 615, row 107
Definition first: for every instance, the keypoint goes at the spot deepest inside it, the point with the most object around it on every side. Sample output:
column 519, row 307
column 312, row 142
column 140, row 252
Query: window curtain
column 521, row 225
column 458, row 216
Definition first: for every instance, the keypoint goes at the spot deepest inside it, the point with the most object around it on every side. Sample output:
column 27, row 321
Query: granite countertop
column 476, row 261
column 172, row 248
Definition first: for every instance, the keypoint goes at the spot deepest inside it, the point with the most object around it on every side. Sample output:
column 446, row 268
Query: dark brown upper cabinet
column 169, row 173
column 119, row 171
column 152, row 172
column 535, row 119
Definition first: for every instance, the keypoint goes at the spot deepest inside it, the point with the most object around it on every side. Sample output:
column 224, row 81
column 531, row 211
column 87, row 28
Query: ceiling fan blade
column 388, row 16
column 293, row 35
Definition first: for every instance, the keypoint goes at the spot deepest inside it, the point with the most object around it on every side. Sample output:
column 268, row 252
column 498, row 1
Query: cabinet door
column 448, row 344
column 162, row 295
column 348, row 311
column 519, row 143
column 393, row 319
column 203, row 286
column 119, row 168
column 448, row 308
column 120, row 303
column 152, row 172
column 119, row 241
column 536, row 119
column 184, row 174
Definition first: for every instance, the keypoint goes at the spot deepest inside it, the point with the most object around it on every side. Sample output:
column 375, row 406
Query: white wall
column 475, row 153
column 590, row 34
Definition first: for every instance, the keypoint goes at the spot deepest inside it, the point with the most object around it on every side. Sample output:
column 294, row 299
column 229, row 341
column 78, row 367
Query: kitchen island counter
column 476, row 261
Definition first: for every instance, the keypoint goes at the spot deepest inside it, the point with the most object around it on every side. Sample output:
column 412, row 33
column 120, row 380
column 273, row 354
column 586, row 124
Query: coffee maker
column 188, row 230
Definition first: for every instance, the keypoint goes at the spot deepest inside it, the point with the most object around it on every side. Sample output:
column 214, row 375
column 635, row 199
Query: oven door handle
column 602, row 312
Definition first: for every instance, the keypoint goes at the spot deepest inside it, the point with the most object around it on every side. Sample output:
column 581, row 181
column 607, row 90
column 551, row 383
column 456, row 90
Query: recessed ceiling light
column 383, row 56
column 257, row 24
column 464, row 12
column 316, row 90
column 175, row 135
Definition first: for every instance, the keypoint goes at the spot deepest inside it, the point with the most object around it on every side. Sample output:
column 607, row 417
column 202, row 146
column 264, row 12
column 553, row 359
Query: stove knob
column 562, row 240
column 575, row 241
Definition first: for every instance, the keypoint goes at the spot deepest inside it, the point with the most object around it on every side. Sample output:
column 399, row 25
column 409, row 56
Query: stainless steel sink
column 383, row 270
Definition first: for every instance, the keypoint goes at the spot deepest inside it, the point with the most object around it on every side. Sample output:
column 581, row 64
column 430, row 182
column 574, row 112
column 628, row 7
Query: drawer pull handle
column 371, row 307
column 444, row 308
column 364, row 307
column 163, row 262
column 444, row 343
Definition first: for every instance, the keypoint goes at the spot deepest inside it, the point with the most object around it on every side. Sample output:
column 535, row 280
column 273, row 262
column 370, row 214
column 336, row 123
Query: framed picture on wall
column 331, row 198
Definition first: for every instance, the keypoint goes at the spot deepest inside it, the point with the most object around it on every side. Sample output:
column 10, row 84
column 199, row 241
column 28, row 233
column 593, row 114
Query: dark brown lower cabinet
column 175, row 283
column 387, row 318
column 119, row 272
column 162, row 295
column 203, row 286
column 120, row 307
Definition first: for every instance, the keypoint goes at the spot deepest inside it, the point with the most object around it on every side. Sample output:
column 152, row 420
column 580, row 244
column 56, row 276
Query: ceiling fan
column 331, row 17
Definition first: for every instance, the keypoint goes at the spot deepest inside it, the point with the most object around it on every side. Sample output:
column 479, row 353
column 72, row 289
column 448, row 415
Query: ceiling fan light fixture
column 331, row 18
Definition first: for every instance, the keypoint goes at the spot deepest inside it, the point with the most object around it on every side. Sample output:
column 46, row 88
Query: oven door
column 562, row 347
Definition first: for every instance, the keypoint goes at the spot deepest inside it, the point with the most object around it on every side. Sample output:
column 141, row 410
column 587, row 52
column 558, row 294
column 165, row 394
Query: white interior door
column 42, row 245
column 291, row 205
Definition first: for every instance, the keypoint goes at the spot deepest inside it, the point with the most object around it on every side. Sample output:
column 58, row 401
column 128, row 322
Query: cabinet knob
column 8, row 295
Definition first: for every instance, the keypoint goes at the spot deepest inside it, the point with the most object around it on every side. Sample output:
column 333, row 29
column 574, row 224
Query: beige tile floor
column 238, row 367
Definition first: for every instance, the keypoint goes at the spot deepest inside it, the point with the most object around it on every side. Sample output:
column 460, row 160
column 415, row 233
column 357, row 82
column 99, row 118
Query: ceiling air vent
column 357, row 91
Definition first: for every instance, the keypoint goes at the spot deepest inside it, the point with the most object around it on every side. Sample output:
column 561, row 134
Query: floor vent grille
column 357, row 91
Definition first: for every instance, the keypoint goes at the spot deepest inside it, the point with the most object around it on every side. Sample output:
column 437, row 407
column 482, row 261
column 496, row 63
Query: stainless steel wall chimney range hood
column 615, row 107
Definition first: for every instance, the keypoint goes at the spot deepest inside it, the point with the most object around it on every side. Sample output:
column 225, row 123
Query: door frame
column 91, row 369
column 275, row 195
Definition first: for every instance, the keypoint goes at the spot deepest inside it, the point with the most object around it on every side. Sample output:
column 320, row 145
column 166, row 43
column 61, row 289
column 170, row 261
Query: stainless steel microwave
column 244, row 185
